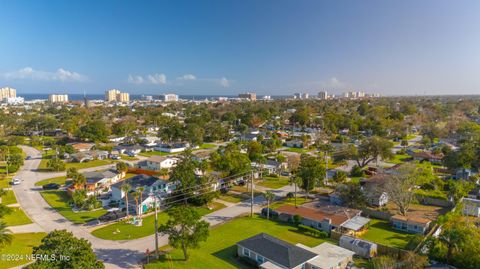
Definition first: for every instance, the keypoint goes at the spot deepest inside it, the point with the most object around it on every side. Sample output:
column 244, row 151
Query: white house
column 155, row 163
column 471, row 207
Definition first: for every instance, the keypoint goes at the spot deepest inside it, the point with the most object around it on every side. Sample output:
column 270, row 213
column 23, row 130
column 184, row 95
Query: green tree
column 60, row 242
column 230, row 160
column 351, row 195
column 371, row 149
column 121, row 167
column 56, row 164
column 96, row 131
column 311, row 172
column 185, row 229
column 184, row 174
column 269, row 196
column 126, row 188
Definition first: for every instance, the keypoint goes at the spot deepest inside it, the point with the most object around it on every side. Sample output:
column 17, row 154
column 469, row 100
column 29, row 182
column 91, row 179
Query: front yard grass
column 125, row 231
column 231, row 198
column 22, row 245
column 17, row 217
column 380, row 231
column 59, row 180
column 9, row 198
column 290, row 201
column 273, row 182
column 58, row 200
column 89, row 164
column 219, row 251
column 400, row 158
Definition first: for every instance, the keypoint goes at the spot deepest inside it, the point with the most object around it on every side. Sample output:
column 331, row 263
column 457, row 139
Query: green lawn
column 5, row 182
column 400, row 158
column 207, row 146
column 59, row 201
column 380, row 231
column 9, row 198
column 297, row 150
column 89, row 164
column 231, row 198
column 22, row 245
column 124, row 231
column 155, row 153
column 290, row 201
column 128, row 158
column 273, row 182
column 17, row 217
column 219, row 250
column 58, row 180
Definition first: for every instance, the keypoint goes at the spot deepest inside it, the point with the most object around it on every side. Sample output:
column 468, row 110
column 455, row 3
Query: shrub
column 356, row 171
column 312, row 231
column 297, row 219
column 290, row 195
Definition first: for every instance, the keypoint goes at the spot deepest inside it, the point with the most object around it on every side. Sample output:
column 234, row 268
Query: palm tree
column 140, row 190
column 295, row 180
column 126, row 189
column 136, row 195
column 269, row 196
column 5, row 235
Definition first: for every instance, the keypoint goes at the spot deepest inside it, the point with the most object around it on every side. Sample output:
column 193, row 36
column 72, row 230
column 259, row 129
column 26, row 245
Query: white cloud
column 187, row 77
column 135, row 79
column 30, row 73
column 333, row 83
column 157, row 79
column 224, row 82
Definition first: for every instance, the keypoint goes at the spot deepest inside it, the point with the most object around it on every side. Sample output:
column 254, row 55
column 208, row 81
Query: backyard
column 219, row 251
column 58, row 200
column 380, row 231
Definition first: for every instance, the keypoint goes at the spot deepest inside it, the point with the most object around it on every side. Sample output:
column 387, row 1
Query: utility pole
column 251, row 189
column 156, row 224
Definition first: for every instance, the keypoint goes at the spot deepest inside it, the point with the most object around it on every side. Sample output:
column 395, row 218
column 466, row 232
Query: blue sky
column 226, row 47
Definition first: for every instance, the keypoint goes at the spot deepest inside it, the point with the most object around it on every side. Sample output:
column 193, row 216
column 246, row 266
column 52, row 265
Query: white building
column 7, row 92
column 115, row 95
column 14, row 100
column 169, row 97
column 301, row 95
column 156, row 163
column 248, row 95
column 58, row 98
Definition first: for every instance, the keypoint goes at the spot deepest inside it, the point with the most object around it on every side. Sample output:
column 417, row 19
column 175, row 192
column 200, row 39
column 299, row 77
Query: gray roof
column 277, row 250
column 356, row 223
column 137, row 181
column 96, row 176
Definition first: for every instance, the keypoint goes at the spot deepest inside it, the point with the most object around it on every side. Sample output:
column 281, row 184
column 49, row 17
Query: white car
column 16, row 181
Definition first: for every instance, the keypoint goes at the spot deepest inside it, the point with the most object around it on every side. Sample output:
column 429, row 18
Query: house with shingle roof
column 269, row 252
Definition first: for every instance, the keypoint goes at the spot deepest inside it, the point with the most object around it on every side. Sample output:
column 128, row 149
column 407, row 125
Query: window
column 319, row 225
column 259, row 259
column 246, row 252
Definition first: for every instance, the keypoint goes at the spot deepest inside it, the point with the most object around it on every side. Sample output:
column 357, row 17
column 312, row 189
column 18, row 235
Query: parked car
column 16, row 181
column 28, row 157
column 51, row 186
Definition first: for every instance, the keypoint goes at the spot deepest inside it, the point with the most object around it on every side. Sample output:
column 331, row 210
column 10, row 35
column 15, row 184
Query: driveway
column 115, row 254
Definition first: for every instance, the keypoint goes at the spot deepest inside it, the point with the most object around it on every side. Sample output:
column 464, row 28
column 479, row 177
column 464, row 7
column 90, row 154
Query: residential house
column 82, row 147
column 272, row 253
column 101, row 179
column 322, row 217
column 173, row 148
column 156, row 163
column 271, row 166
column 129, row 149
column 427, row 156
column 86, row 156
column 149, row 183
column 410, row 224
column 471, row 207
column 116, row 139
column 374, row 189
column 295, row 143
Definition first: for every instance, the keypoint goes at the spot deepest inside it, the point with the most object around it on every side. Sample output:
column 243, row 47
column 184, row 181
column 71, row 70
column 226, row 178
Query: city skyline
column 226, row 48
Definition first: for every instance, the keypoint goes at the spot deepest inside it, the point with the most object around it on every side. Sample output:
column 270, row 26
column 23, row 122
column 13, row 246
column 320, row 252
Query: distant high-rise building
column 300, row 95
column 115, row 95
column 7, row 92
column 123, row 97
column 248, row 95
column 169, row 97
column 58, row 98
column 323, row 95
